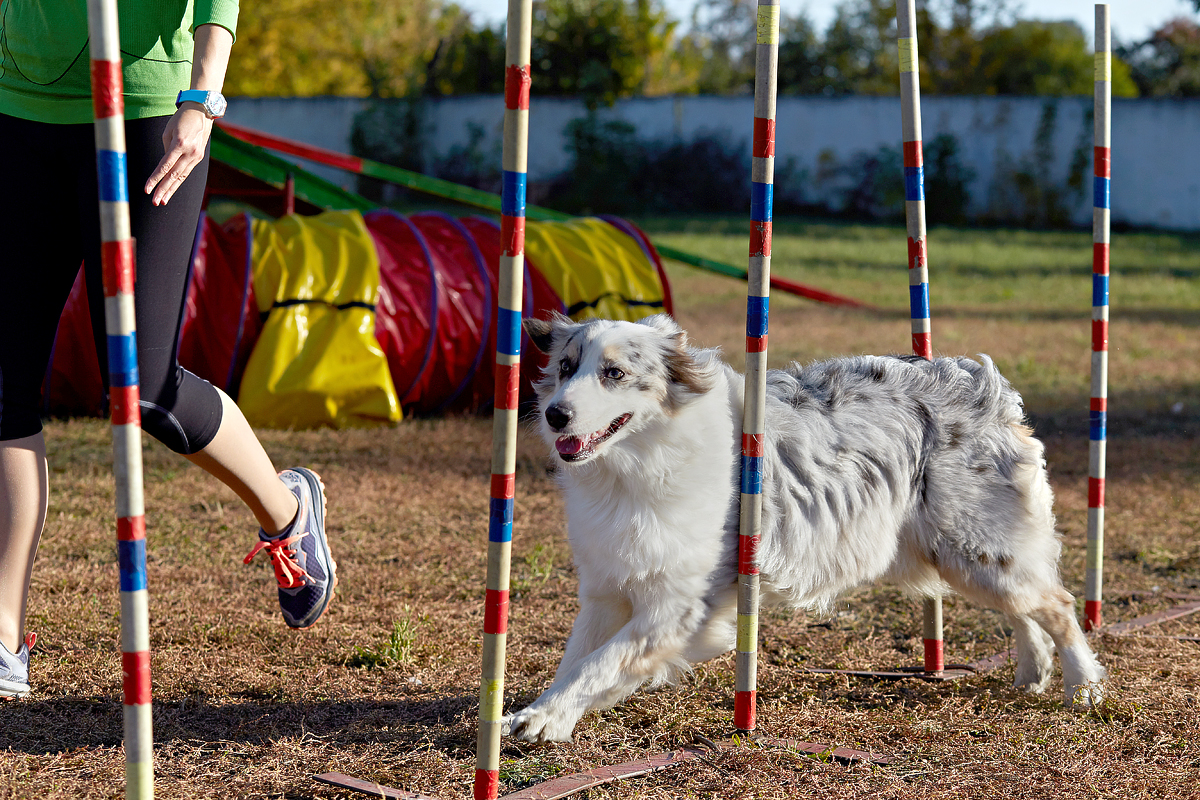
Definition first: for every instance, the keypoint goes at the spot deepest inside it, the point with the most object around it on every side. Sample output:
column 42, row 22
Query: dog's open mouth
column 575, row 448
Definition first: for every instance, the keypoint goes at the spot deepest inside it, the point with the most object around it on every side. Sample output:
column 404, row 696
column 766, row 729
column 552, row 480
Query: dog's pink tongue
column 569, row 445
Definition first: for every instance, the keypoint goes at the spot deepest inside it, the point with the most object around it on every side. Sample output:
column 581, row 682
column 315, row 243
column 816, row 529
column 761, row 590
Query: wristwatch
column 213, row 102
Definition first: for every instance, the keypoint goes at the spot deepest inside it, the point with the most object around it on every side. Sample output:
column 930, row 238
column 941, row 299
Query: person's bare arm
column 187, row 133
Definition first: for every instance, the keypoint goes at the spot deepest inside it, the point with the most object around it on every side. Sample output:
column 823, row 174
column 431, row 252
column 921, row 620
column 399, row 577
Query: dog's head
column 606, row 379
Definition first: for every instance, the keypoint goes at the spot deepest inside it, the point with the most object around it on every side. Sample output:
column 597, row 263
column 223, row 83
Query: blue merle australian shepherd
column 919, row 472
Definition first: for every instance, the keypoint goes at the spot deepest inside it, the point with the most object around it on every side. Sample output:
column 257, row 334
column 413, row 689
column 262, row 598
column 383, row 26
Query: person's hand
column 184, row 141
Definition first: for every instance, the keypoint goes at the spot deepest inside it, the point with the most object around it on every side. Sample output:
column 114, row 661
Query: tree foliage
column 598, row 49
column 602, row 50
column 1168, row 63
column 299, row 48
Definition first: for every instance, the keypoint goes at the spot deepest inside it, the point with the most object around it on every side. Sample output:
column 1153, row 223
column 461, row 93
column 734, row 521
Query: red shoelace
column 288, row 571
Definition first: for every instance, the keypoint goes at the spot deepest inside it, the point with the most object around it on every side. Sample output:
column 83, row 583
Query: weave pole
column 116, row 251
column 508, row 384
column 762, row 177
column 918, row 265
column 1098, row 436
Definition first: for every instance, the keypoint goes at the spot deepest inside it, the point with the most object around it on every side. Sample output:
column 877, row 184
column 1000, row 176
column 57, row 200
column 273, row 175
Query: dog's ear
column 688, row 375
column 540, row 332
column 667, row 326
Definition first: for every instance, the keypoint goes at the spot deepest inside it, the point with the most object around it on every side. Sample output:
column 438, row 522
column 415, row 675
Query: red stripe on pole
column 118, row 271
column 107, row 90
column 504, row 486
column 748, row 555
column 764, row 138
column 752, row 444
column 760, row 238
column 1095, row 492
column 912, row 154
column 487, row 784
column 756, row 344
column 512, row 235
column 135, row 678
column 1103, row 159
column 495, row 611
column 1099, row 404
column 131, row 529
column 508, row 386
column 516, row 87
column 935, row 655
column 744, row 710
column 1100, row 258
column 917, row 254
column 922, row 345
column 1091, row 615
column 123, row 402
column 1099, row 335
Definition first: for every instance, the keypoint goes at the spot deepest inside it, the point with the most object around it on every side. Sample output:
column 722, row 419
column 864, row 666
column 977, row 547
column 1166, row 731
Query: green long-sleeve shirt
column 45, row 72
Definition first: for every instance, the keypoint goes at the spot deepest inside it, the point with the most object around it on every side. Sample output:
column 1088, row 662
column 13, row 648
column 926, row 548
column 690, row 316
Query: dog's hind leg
column 1035, row 660
column 1083, row 676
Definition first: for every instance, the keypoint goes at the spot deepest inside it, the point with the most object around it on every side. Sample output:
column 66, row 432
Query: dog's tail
column 979, row 385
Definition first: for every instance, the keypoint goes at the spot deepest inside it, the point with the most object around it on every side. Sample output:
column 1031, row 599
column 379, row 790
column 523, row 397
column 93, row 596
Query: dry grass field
column 385, row 686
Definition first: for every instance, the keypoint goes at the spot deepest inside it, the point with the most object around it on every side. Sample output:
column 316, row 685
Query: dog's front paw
column 1085, row 696
column 538, row 725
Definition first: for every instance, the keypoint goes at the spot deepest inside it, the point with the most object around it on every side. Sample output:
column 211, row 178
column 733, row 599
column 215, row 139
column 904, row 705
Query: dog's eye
column 564, row 367
column 614, row 374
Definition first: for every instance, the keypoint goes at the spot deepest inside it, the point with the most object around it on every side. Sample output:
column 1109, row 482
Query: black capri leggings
column 49, row 224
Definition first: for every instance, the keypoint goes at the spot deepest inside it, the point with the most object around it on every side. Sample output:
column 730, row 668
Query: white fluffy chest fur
column 657, row 503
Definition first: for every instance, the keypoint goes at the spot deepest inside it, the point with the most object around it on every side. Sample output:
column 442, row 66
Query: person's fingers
column 164, row 167
column 172, row 181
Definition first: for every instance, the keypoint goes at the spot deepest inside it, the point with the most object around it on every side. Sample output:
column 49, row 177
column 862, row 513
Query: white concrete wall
column 1156, row 143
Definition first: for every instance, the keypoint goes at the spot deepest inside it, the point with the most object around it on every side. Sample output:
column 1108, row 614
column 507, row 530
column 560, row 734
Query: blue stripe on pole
column 751, row 475
column 914, row 183
column 757, row 312
column 762, row 198
column 500, row 520
column 1100, row 192
column 512, row 198
column 131, row 556
column 122, row 360
column 508, row 332
column 1099, row 290
column 110, row 167
column 918, row 300
column 1098, row 425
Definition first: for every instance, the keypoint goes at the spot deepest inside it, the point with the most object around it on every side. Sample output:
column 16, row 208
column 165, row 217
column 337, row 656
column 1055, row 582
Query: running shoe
column 304, row 567
column 14, row 669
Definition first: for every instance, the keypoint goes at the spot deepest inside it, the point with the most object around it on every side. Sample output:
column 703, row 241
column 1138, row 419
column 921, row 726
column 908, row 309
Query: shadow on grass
column 62, row 725
column 1135, row 422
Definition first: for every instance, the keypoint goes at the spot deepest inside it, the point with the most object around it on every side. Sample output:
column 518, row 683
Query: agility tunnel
column 344, row 318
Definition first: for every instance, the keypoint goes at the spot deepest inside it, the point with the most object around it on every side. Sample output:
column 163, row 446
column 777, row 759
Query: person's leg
column 194, row 418
column 237, row 459
column 24, row 492
column 40, row 228
column 188, row 414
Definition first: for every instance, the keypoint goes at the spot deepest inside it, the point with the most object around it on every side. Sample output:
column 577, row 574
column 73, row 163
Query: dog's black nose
column 558, row 417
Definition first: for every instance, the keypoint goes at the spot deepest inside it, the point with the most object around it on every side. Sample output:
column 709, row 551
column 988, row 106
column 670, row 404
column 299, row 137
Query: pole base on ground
column 952, row 672
column 566, row 785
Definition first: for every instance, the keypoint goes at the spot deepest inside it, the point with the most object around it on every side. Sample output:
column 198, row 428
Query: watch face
column 216, row 104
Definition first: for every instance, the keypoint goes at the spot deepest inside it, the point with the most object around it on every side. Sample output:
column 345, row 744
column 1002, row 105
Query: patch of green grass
column 533, row 570
column 398, row 649
column 529, row 770
column 1032, row 270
